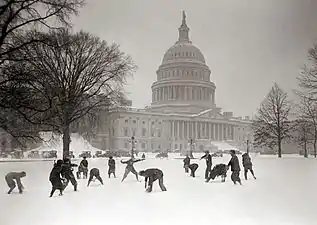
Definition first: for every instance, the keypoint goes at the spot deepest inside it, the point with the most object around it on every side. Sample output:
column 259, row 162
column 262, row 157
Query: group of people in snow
column 62, row 172
column 221, row 169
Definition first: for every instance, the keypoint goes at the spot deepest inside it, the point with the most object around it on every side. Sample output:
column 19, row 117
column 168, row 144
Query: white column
column 196, row 130
column 177, row 129
column 188, row 129
column 172, row 129
column 183, row 129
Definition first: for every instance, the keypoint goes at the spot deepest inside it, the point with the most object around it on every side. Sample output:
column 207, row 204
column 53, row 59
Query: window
column 143, row 122
column 113, row 131
column 133, row 132
column 159, row 146
column 134, row 121
column 126, row 121
column 126, row 132
column 152, row 122
column 143, row 145
column 143, row 132
column 159, row 133
column 153, row 134
column 125, row 145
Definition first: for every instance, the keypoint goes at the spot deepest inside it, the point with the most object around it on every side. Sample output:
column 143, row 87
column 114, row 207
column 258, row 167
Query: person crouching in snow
column 235, row 168
column 218, row 170
column 247, row 165
column 55, row 178
column 130, row 168
column 94, row 174
column 13, row 179
column 193, row 167
column 152, row 175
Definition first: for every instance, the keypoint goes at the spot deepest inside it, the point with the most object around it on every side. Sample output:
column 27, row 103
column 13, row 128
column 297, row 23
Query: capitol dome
column 183, row 82
column 183, row 51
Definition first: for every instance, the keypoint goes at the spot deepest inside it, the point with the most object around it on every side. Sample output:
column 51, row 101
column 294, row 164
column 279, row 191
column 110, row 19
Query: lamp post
column 191, row 144
column 133, row 142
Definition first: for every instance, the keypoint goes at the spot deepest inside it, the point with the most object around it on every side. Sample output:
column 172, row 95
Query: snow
column 284, row 193
column 221, row 145
column 55, row 142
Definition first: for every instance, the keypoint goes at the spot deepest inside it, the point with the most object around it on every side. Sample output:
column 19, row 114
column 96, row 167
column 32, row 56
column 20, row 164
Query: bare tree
column 75, row 73
column 308, row 113
column 18, row 16
column 308, row 93
column 271, row 125
column 303, row 136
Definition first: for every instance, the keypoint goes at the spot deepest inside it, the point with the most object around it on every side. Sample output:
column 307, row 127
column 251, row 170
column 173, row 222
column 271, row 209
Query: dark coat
column 84, row 163
column 10, row 177
column 186, row 161
column 112, row 164
column 218, row 170
column 193, row 166
column 67, row 169
column 234, row 163
column 246, row 160
column 152, row 174
column 94, row 172
column 208, row 159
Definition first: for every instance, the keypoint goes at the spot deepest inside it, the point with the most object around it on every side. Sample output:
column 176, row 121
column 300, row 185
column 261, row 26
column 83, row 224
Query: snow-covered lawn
column 284, row 193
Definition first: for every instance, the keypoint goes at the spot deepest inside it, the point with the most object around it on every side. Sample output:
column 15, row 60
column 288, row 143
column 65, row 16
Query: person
column 218, row 170
column 247, row 165
column 143, row 156
column 67, row 173
column 130, row 168
column 83, row 168
column 186, row 162
column 193, row 167
column 208, row 158
column 235, row 168
column 152, row 175
column 13, row 179
column 94, row 174
column 112, row 167
column 55, row 178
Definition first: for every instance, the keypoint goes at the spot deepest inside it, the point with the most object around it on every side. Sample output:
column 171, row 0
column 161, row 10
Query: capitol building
column 183, row 108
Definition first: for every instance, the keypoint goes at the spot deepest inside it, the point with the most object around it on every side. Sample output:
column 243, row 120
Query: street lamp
column 191, row 144
column 133, row 142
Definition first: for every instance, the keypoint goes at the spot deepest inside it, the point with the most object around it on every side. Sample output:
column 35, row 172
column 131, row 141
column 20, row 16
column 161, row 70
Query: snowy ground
column 284, row 193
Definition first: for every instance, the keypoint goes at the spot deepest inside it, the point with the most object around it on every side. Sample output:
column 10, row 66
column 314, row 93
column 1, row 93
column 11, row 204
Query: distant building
column 183, row 107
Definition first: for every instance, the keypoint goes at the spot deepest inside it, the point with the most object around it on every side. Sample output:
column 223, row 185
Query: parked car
column 85, row 153
column 162, row 155
column 35, row 154
column 17, row 154
column 49, row 154
column 217, row 154
column 99, row 154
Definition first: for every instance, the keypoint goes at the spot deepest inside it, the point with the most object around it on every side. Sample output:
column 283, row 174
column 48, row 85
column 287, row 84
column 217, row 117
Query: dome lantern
column 183, row 31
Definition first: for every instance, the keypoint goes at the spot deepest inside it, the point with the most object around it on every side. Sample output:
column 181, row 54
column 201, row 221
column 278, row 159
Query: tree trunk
column 66, row 141
column 315, row 147
column 279, row 148
column 305, row 150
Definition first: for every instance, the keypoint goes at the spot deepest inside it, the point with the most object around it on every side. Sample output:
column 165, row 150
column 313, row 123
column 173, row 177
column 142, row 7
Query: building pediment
column 209, row 113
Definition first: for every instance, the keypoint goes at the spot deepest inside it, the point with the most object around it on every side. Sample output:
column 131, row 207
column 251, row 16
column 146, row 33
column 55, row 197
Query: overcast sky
column 248, row 44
